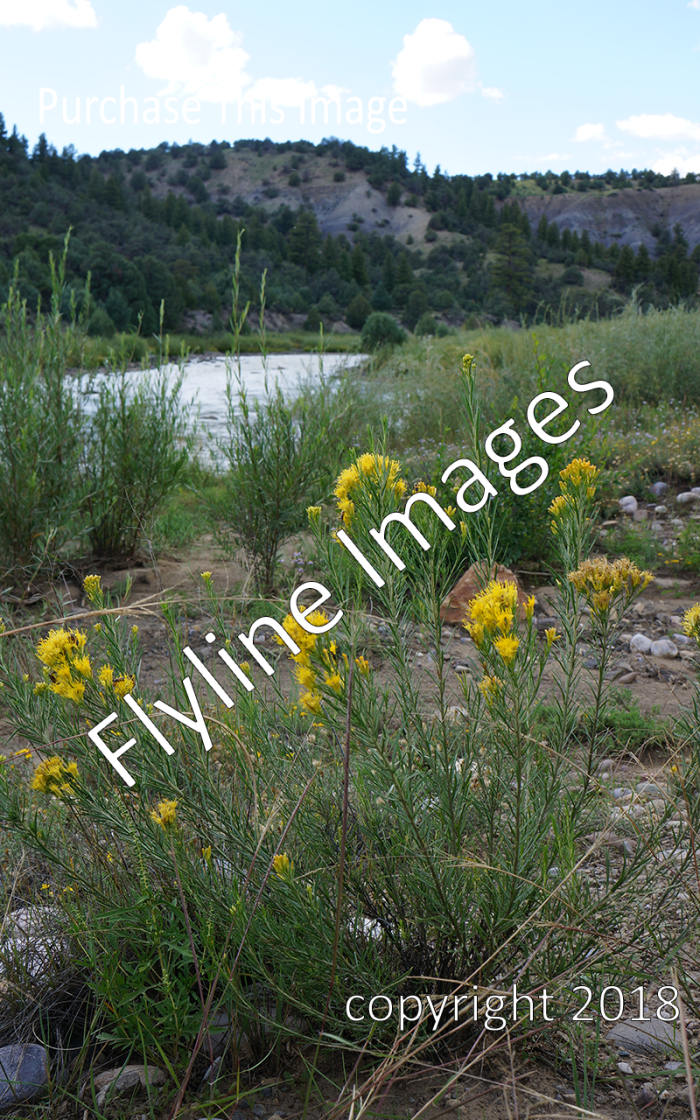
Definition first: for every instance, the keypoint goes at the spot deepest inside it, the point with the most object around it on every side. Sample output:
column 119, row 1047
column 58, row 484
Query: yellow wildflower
column 507, row 647
column 92, row 586
column 578, row 472
column 283, row 866
column 311, row 702
column 306, row 677
column 82, row 665
column 123, row 685
column 206, row 853
column 313, row 513
column 53, row 776
column 493, row 609
column 98, row 627
column 106, row 676
column 165, row 813
column 206, row 576
column 551, row 636
column 363, row 666
column 530, row 608
column 245, row 666
column 691, row 622
column 59, row 645
column 40, row 687
column 134, row 630
column 334, row 681
column 489, row 688
column 423, row 488
column 368, row 469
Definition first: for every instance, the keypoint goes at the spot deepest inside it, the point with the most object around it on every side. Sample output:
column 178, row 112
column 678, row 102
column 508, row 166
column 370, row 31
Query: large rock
column 23, row 1074
column 652, row 1038
column 455, row 605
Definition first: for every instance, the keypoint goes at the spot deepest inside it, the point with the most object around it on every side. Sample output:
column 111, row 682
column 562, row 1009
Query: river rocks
column 639, row 643
column 658, row 489
column 455, row 605
column 664, row 648
column 628, row 504
column 660, row 511
column 687, row 498
column 23, row 1074
column 652, row 1038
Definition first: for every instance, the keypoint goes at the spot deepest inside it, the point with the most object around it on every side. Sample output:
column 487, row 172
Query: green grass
column 97, row 350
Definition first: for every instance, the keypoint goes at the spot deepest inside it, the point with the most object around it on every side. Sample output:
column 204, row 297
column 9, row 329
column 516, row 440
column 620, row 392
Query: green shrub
column 426, row 324
column 381, row 329
column 313, row 320
column 135, row 454
column 100, row 324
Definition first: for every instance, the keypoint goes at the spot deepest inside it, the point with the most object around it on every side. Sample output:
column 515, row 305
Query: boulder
column 24, row 1074
column 454, row 605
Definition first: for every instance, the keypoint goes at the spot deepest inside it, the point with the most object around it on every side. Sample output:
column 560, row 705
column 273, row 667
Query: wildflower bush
column 359, row 836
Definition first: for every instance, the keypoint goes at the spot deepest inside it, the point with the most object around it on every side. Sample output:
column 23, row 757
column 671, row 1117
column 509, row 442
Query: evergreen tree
column 329, row 257
column 643, row 263
column 512, row 271
column 358, row 267
column 305, row 242
column 404, row 272
column 625, row 269
column 389, row 272
column 542, row 227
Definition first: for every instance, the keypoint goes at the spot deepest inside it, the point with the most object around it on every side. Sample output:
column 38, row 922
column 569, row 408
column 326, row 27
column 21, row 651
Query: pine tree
column 542, row 227
column 625, row 268
column 389, row 272
column 305, row 241
column 329, row 258
column 404, row 273
column 643, row 265
column 358, row 266
column 512, row 272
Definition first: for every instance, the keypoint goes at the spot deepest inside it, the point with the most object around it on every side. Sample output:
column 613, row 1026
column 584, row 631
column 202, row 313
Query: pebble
column 677, row 523
column 658, row 489
column 660, row 510
column 24, row 1074
column 682, row 640
column 590, row 663
column 625, row 1067
column 628, row 504
column 622, row 793
column 673, row 1065
column 647, row 1094
column 687, row 497
column 649, row 788
column 664, row 647
column 639, row 643
column 628, row 678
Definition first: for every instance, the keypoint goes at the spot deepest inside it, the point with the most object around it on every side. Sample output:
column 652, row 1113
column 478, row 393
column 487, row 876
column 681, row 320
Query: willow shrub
column 358, row 837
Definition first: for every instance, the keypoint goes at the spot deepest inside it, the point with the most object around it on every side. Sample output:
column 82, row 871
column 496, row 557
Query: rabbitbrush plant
column 360, row 837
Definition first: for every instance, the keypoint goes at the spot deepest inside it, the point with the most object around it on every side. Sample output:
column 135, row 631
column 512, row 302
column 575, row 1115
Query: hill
column 340, row 231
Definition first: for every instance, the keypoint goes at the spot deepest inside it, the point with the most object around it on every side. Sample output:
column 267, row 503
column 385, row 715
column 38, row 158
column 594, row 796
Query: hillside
column 340, row 230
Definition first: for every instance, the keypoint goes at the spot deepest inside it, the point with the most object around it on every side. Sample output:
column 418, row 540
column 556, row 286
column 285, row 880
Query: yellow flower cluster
column 367, row 469
column 92, row 586
column 579, row 473
column 489, row 687
column 283, row 866
column 423, row 488
column 61, row 654
column 601, row 582
column 53, row 776
column 691, row 622
column 121, row 686
column 165, row 814
column 492, row 611
column 306, row 673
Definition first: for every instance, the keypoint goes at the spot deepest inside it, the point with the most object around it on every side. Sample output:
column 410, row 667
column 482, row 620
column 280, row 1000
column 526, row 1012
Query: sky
column 473, row 87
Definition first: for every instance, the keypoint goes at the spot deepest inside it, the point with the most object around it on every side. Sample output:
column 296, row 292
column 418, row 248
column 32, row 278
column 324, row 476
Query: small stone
column 658, row 489
column 687, row 498
column 258, row 1109
column 625, row 1067
column 646, row 1094
column 640, row 515
column 23, row 1074
column 673, row 1065
column 629, row 678
column 590, row 663
column 605, row 764
column 677, row 523
column 628, row 504
column 622, row 793
column 682, row 640
column 664, row 647
column 640, row 643
column 462, row 668
column 660, row 510
column 649, row 789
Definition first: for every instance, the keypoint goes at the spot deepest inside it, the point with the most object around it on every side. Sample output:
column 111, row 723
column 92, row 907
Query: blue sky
column 474, row 87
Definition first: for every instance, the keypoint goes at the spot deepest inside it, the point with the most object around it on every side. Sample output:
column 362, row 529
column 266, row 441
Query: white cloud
column 435, row 65
column 494, row 94
column 694, row 4
column 41, row 14
column 589, row 132
column 196, row 55
column 679, row 162
column 660, row 126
